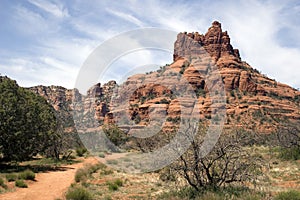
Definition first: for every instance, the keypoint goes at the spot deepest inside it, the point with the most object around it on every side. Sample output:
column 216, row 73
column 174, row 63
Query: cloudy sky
column 47, row 42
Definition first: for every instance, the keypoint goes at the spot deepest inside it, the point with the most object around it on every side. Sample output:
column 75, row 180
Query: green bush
column 33, row 120
column 292, row 153
column 27, row 175
column 116, row 135
column 289, row 195
column 11, row 177
column 93, row 168
column 80, row 151
column 78, row 193
column 118, row 182
column 112, row 162
column 113, row 186
column 2, row 184
column 107, row 197
column 106, row 172
column 20, row 184
column 101, row 155
column 234, row 193
column 81, row 175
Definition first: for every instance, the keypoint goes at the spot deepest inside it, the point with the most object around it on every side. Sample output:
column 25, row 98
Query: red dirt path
column 48, row 186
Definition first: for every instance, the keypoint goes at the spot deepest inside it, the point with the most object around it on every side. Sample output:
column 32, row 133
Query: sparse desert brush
column 80, row 151
column 11, row 177
column 2, row 184
column 106, row 172
column 27, row 175
column 101, row 155
column 20, row 184
column 292, row 153
column 118, row 182
column 114, row 185
column 94, row 168
column 78, row 193
column 289, row 195
column 81, row 175
column 112, row 162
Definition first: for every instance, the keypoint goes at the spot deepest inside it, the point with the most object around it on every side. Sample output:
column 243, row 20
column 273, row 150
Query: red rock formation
column 215, row 42
column 251, row 98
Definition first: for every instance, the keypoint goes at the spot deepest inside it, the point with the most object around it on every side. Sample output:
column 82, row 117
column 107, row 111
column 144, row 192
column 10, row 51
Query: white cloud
column 256, row 38
column 252, row 25
column 127, row 17
column 55, row 9
column 28, row 22
column 40, row 71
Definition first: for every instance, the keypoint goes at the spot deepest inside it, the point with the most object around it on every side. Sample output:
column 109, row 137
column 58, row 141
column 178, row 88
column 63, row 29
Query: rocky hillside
column 253, row 100
column 95, row 102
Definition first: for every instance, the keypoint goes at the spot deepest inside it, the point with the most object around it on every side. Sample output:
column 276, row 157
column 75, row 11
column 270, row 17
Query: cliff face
column 253, row 100
column 215, row 42
column 94, row 103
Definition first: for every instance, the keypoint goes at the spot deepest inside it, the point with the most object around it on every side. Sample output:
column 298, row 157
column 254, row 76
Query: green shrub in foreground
column 27, row 175
column 113, row 186
column 78, row 193
column 20, row 184
column 81, row 175
column 290, row 195
column 232, row 193
column 101, row 155
column 292, row 153
column 2, row 184
column 11, row 177
column 106, row 172
column 81, row 151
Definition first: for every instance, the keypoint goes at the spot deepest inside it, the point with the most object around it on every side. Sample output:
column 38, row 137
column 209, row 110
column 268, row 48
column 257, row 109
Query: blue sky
column 46, row 42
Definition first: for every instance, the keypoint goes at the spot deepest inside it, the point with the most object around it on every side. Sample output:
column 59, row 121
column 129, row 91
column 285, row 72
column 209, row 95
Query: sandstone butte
column 253, row 101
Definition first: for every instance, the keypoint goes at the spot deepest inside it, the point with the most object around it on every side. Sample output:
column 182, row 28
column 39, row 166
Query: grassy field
column 279, row 179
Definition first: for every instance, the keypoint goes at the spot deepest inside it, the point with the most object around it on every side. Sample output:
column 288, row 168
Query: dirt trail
column 49, row 185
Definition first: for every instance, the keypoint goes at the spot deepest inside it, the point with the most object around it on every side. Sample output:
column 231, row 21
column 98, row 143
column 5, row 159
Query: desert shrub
column 106, row 172
column 2, row 184
column 289, row 195
column 116, row 135
column 81, row 175
column 184, row 193
column 118, row 182
column 232, row 193
column 113, row 186
column 228, row 163
column 166, row 175
column 20, row 184
column 78, row 193
column 101, row 155
column 27, row 175
column 112, row 162
column 107, row 197
column 292, row 153
column 93, row 168
column 80, row 151
column 11, row 177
